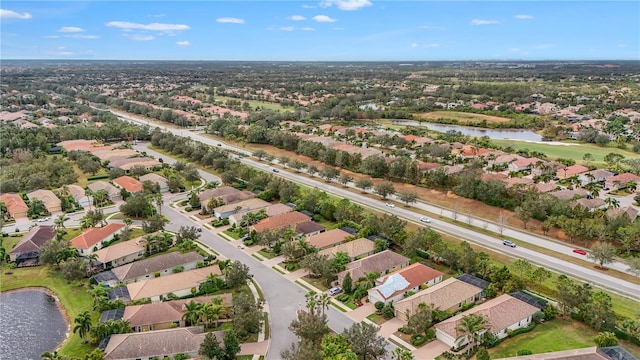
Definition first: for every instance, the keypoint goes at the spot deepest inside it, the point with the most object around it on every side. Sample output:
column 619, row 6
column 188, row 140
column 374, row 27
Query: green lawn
column 10, row 241
column 254, row 103
column 574, row 151
column 74, row 297
column 267, row 254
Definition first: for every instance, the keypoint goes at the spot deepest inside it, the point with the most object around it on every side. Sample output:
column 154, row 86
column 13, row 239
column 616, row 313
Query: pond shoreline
column 59, row 305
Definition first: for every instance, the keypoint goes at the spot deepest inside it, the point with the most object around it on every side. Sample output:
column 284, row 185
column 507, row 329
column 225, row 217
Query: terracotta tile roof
column 443, row 296
column 379, row 262
column 170, row 283
column 119, row 250
column 128, row 183
column 76, row 191
column 630, row 211
column 14, row 203
column 82, row 145
column 48, row 198
column 245, row 205
column 271, row 210
column 353, row 248
column 546, row 187
column 281, row 221
column 624, row 178
column 328, row 238
column 167, row 311
column 569, row 194
column 412, row 276
column 571, row 171
column 526, row 162
column 151, row 265
column 90, row 237
column 501, row 313
column 217, row 192
column 126, row 163
column 34, row 239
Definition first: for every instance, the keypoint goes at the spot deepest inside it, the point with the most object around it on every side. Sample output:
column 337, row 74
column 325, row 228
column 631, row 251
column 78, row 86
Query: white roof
column 394, row 283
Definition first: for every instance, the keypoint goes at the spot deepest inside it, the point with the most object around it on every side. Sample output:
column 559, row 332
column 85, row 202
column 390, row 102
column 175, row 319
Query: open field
column 254, row 103
column 74, row 297
column 555, row 335
column 462, row 118
column 573, row 151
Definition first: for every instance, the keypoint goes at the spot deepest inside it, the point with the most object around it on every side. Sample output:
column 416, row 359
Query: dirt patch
column 462, row 117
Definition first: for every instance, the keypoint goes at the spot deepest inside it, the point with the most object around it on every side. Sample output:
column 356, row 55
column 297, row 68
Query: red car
column 578, row 251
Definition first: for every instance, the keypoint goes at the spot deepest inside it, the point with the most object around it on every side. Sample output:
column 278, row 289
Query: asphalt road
column 603, row 280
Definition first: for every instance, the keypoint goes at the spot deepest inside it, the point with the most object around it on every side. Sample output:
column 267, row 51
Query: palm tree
column 100, row 197
column 159, row 201
column 612, row 203
column 213, row 312
column 83, row 325
column 470, row 326
column 370, row 280
column 59, row 223
column 127, row 223
column 631, row 185
column 191, row 313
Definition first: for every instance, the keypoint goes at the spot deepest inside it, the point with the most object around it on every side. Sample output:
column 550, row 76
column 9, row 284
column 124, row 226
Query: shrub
column 521, row 330
column 178, row 269
column 422, row 254
column 379, row 305
column 405, row 330
column 188, row 208
column 343, row 297
column 97, row 177
column 418, row 339
column 523, row 352
column 604, row 339
column 156, row 274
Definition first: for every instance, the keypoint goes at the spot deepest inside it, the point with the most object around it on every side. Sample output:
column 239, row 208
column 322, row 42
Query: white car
column 390, row 205
column 425, row 219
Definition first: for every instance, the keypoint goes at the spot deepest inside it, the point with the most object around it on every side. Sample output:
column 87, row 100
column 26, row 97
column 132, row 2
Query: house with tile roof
column 126, row 163
column 79, row 195
column 594, row 176
column 16, row 207
column 226, row 194
column 161, row 264
column 156, row 179
column 383, row 262
column 309, row 228
column 77, row 145
column 128, row 183
column 354, row 249
column 629, row 211
column 394, row 286
column 250, row 205
column 93, row 239
column 569, row 171
column 27, row 250
column 590, row 204
column 120, row 253
column 271, row 210
column 48, row 198
column 112, row 192
column 281, row 222
column 450, row 295
column 180, row 284
column 503, row 313
column 157, row 344
column 523, row 164
column 327, row 239
column 619, row 182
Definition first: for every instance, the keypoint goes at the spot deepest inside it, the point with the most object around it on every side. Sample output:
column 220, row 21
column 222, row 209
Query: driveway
column 431, row 350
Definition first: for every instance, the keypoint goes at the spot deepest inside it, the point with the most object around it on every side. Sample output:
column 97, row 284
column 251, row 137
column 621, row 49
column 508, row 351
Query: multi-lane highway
column 613, row 283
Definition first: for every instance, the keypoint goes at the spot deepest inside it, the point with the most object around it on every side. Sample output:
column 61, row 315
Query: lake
column 503, row 134
column 31, row 324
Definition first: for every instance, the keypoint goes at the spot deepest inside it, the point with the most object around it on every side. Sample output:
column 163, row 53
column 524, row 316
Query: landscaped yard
column 378, row 319
column 74, row 297
column 267, row 254
column 554, row 335
column 573, row 150
column 233, row 234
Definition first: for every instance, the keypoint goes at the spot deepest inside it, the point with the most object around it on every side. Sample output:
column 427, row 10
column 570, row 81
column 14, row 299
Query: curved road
column 603, row 280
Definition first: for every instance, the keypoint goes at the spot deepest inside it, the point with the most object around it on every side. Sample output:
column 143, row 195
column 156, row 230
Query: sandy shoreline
column 63, row 311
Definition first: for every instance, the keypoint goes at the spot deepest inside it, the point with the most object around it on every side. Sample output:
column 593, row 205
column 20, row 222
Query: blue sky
column 325, row 30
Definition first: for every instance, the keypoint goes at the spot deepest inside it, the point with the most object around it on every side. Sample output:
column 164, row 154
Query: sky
column 321, row 30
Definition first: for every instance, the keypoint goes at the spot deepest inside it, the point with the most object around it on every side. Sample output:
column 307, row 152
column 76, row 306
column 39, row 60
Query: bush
column 188, row 208
column 422, row 254
column 379, row 305
column 97, row 177
column 405, row 330
column 418, row 339
column 523, row 352
column 521, row 330
column 343, row 297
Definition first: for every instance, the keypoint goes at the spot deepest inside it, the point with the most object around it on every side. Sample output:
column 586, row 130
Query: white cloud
column 52, row 36
column 514, row 49
column 414, row 45
column 125, row 25
column 297, row 18
column 286, row 28
column 523, row 17
column 141, row 37
column 323, row 18
column 347, row 5
column 82, row 36
column 305, row 6
column 484, row 22
column 230, row 20
column 307, row 29
column 183, row 43
column 70, row 29
column 10, row 14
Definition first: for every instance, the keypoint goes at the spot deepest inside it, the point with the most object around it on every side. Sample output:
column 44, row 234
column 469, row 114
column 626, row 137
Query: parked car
column 335, row 291
column 276, row 170
column 199, row 229
column 580, row 251
column 425, row 219
column 509, row 243
column 390, row 205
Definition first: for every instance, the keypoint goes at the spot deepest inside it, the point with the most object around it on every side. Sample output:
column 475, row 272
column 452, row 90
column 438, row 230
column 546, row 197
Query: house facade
column 112, row 192
column 395, row 286
column 621, row 181
column 16, row 207
column 354, row 249
column 250, row 205
column 120, row 253
column 27, row 250
column 383, row 262
column 93, row 239
column 161, row 265
column 48, row 198
column 157, row 179
column 179, row 284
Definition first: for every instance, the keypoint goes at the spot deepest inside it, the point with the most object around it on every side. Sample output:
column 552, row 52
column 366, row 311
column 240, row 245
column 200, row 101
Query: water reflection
column 512, row 134
column 31, row 324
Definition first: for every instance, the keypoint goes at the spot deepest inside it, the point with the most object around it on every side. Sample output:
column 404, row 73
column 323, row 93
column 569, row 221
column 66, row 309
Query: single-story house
column 27, row 249
column 383, row 262
column 112, row 192
column 523, row 164
column 590, row 204
column 128, row 183
column 157, row 344
column 328, row 239
column 504, row 159
column 219, row 192
column 590, row 353
column 354, row 248
column 161, row 264
column 281, row 222
column 394, row 286
column 157, row 179
column 451, row 294
column 618, row 182
column 77, row 145
column 595, row 176
column 629, row 211
column 166, row 314
column 503, row 313
column 79, row 195
column 271, row 210
column 568, row 194
column 126, row 163
column 92, row 239
column 250, row 205
column 16, row 207
column 108, row 154
column 48, row 198
column 120, row 253
column 573, row 170
column 309, row 228
column 179, row 284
